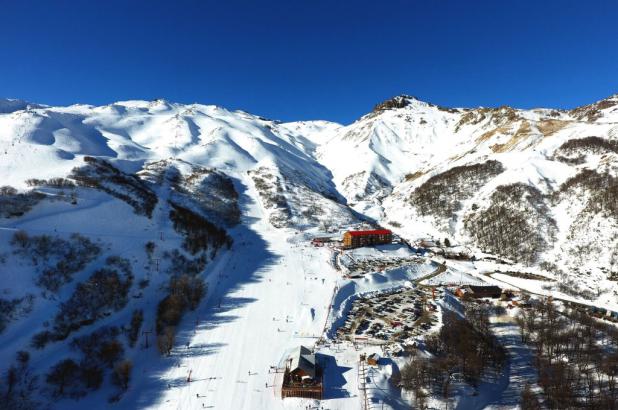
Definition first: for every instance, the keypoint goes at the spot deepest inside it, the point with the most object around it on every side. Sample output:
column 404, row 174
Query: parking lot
column 358, row 262
column 396, row 316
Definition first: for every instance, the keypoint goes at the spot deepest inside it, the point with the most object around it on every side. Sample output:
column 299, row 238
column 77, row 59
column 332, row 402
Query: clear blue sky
column 314, row 59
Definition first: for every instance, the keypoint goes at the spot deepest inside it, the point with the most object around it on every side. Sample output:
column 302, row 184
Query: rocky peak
column 592, row 112
column 399, row 101
column 8, row 105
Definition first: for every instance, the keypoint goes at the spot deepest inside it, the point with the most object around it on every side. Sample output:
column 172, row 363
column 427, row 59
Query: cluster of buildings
column 302, row 376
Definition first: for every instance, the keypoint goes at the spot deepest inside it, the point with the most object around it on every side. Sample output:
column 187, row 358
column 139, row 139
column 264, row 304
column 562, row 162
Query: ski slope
column 266, row 296
column 273, row 291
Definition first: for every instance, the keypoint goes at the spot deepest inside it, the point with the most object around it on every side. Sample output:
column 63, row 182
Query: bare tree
column 529, row 401
column 165, row 341
column 122, row 374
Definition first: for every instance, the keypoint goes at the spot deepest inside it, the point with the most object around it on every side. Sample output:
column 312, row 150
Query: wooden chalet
column 358, row 239
column 302, row 376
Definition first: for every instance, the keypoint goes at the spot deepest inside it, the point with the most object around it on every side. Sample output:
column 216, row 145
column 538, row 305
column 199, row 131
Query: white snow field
column 272, row 290
column 267, row 295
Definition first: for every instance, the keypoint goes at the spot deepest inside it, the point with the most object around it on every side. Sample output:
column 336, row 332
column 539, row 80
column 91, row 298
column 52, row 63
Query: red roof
column 374, row 232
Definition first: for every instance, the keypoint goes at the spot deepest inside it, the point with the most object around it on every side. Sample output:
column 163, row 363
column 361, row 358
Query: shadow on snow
column 216, row 309
column 334, row 380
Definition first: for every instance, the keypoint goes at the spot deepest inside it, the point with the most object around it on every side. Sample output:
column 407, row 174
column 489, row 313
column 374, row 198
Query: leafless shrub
column 199, row 233
column 65, row 379
column 576, row 356
column 441, row 195
column 100, row 174
column 11, row 309
column 122, row 374
column 137, row 318
column 56, row 259
column 165, row 340
column 463, row 346
column 18, row 385
column 517, row 224
column 15, row 204
column 106, row 291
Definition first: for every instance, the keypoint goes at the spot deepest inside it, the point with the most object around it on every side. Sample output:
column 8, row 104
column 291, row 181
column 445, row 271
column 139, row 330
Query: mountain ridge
column 145, row 200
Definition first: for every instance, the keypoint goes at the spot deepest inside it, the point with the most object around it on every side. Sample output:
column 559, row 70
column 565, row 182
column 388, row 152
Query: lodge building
column 302, row 376
column 357, row 239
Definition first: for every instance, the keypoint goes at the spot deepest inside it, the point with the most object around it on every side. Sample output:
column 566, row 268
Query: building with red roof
column 357, row 239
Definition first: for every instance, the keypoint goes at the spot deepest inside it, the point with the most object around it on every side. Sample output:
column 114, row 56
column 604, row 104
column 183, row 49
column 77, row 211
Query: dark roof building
column 489, row 291
column 302, row 363
column 302, row 376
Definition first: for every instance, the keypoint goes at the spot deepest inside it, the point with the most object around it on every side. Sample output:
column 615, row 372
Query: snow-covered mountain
column 531, row 185
column 133, row 134
column 422, row 169
column 139, row 191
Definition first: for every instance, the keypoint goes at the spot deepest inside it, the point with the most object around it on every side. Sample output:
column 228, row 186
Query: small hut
column 373, row 359
column 321, row 240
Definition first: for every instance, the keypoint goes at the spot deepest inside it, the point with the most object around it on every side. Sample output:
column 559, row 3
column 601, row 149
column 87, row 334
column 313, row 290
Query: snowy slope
column 420, row 169
column 116, row 175
column 408, row 160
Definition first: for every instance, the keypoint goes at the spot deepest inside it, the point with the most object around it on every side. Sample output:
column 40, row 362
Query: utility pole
column 145, row 333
